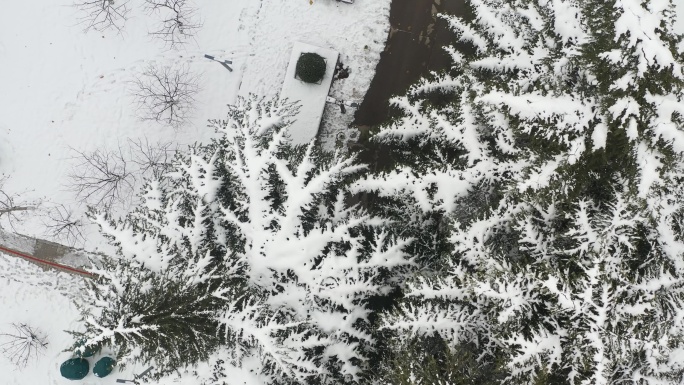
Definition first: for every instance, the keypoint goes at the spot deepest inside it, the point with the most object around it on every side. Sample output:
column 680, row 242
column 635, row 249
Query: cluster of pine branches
column 530, row 230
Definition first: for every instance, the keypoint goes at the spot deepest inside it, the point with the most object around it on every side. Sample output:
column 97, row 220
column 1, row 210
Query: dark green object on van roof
column 310, row 67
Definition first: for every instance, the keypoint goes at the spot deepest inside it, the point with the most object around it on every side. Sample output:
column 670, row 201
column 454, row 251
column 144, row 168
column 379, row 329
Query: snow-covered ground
column 42, row 300
column 39, row 299
column 64, row 90
column 679, row 7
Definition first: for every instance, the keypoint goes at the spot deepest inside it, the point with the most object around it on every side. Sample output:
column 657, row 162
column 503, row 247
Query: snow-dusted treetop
column 565, row 192
column 263, row 231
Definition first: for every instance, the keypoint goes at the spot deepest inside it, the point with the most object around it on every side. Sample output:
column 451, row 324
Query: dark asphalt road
column 413, row 49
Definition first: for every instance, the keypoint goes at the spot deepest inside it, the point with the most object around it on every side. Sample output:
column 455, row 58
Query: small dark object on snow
column 341, row 72
column 104, row 366
column 310, row 67
column 223, row 63
column 74, row 369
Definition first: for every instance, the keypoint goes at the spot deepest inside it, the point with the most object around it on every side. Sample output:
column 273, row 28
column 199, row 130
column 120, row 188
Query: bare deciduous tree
column 12, row 206
column 64, row 225
column 103, row 14
column 152, row 159
column 107, row 177
column 178, row 21
column 102, row 177
column 22, row 344
column 166, row 94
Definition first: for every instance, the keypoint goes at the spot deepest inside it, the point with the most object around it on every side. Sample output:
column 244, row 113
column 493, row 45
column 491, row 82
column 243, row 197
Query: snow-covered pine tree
column 155, row 301
column 263, row 228
column 565, row 192
column 141, row 315
column 314, row 259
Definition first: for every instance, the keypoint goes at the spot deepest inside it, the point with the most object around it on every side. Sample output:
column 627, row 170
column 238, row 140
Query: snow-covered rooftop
column 311, row 97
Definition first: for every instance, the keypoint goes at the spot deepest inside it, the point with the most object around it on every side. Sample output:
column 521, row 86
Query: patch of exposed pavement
column 413, row 49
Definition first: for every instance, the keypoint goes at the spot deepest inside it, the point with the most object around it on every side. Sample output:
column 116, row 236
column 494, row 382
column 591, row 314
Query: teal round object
column 74, row 369
column 104, row 366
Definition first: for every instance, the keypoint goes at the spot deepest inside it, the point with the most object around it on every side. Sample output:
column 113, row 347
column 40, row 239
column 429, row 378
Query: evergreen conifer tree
column 558, row 160
column 253, row 242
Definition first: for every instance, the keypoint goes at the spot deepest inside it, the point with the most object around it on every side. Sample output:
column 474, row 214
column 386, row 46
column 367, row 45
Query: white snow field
column 679, row 6
column 63, row 90
column 39, row 299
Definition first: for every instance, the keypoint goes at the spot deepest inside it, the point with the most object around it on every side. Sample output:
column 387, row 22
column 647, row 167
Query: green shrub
column 310, row 67
column 103, row 367
column 427, row 360
column 74, row 369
